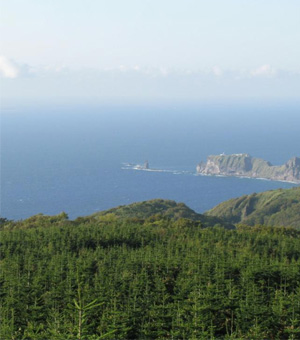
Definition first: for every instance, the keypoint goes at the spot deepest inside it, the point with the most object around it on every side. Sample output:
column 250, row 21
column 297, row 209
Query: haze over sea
column 69, row 157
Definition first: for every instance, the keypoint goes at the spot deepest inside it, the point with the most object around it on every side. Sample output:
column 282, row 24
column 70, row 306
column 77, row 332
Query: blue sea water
column 69, row 157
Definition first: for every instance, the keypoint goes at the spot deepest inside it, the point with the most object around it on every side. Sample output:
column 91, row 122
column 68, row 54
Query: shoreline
column 249, row 177
column 211, row 175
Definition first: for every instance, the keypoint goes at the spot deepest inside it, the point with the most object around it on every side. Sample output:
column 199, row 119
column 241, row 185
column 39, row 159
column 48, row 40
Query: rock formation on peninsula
column 243, row 165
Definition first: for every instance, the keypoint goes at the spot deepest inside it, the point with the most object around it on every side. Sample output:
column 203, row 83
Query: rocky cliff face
column 292, row 169
column 243, row 165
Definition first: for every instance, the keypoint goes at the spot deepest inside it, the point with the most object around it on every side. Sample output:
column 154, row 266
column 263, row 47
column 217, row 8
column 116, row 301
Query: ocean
column 71, row 157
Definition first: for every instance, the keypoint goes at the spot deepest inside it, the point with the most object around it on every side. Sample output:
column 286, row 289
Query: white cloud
column 12, row 70
column 8, row 68
column 214, row 74
column 264, row 71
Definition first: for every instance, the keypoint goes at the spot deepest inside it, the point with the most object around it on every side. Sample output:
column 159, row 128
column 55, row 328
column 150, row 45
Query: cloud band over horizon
column 26, row 81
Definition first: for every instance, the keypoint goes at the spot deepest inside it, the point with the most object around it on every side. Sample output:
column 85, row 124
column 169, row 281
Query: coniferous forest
column 106, row 277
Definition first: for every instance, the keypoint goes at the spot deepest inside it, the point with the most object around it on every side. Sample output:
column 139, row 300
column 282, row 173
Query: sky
column 143, row 49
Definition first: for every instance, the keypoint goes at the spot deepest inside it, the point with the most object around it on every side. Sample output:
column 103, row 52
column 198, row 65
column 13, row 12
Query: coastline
column 249, row 177
column 246, row 166
column 130, row 167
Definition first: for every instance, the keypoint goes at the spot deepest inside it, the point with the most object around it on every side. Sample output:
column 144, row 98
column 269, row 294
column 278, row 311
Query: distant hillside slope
column 156, row 208
column 165, row 208
column 273, row 208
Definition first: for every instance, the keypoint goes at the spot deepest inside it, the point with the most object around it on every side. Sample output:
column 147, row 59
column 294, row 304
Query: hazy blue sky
column 150, row 48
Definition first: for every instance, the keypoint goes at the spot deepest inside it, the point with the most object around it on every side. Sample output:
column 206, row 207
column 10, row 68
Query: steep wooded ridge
column 273, row 208
column 243, row 165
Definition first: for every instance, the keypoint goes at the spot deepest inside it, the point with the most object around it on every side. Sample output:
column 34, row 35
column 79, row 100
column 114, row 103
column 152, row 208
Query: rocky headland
column 243, row 165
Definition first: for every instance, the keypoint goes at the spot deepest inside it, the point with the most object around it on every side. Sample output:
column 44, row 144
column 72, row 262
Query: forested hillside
column 146, row 209
column 153, row 278
column 273, row 208
column 163, row 208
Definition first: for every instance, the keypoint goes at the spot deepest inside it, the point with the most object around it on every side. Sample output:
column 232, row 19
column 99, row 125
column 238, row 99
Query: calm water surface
column 70, row 159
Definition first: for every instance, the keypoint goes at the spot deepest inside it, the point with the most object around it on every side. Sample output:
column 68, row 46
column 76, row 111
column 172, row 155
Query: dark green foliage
column 274, row 208
column 154, row 278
